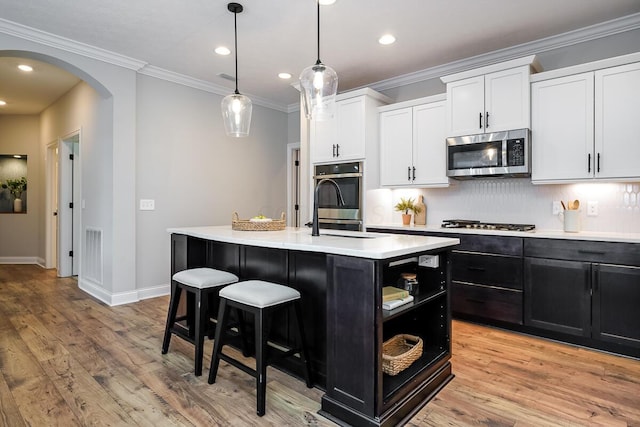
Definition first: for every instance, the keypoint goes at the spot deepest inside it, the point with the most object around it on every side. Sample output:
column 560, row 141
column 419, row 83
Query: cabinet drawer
column 581, row 250
column 501, row 245
column 485, row 269
column 489, row 303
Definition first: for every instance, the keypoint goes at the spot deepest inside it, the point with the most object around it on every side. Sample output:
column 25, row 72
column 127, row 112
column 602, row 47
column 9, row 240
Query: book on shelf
column 390, row 305
column 390, row 293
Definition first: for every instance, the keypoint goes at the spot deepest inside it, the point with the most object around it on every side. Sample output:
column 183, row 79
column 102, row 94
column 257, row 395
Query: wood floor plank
column 68, row 359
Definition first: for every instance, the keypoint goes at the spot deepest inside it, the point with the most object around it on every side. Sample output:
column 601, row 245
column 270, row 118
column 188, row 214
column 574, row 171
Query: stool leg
column 304, row 354
column 217, row 345
column 261, row 366
column 242, row 331
column 171, row 315
column 201, row 320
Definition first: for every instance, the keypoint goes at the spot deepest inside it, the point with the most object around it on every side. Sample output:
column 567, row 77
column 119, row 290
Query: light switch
column 147, row 204
column 557, row 207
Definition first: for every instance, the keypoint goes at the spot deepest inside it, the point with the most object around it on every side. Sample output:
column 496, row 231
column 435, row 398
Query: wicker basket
column 248, row 225
column 399, row 352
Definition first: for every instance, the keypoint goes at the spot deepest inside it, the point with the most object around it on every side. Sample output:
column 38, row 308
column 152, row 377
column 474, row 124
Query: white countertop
column 350, row 243
column 541, row 234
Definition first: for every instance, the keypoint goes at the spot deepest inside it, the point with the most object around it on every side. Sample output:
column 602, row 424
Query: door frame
column 51, row 206
column 293, row 184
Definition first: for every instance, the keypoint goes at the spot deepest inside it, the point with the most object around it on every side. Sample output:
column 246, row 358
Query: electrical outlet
column 147, row 204
column 557, row 207
column 592, row 208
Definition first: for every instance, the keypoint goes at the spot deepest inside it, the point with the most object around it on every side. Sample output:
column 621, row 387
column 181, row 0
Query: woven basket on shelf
column 248, row 225
column 399, row 352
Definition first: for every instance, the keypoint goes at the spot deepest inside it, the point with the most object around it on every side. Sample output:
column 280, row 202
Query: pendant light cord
column 318, row 62
column 235, row 31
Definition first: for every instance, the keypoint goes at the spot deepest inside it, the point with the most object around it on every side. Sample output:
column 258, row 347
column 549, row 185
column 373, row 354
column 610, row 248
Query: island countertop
column 338, row 242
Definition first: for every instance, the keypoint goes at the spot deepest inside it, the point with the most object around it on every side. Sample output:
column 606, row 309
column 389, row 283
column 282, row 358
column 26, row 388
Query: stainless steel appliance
column 498, row 154
column 466, row 223
column 345, row 214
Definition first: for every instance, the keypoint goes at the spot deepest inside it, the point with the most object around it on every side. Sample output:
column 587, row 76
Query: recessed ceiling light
column 326, row 2
column 386, row 39
column 17, row 156
column 222, row 50
column 284, row 75
column 2, row 102
column 25, row 68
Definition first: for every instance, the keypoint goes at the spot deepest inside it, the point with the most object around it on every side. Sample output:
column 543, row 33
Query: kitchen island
column 340, row 276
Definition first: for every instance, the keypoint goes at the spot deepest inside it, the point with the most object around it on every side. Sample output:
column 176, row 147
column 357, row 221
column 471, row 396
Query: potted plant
column 17, row 186
column 406, row 205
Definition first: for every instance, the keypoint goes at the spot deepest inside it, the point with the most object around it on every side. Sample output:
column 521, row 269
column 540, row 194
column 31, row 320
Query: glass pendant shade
column 236, row 108
column 236, row 114
column 319, row 85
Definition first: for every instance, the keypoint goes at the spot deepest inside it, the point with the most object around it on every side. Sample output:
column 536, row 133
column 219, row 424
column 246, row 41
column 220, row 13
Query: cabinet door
column 562, row 128
column 616, row 299
column 465, row 103
column 617, row 102
column 429, row 147
column 350, row 126
column 396, row 144
column 558, row 296
column 507, row 100
column 323, row 137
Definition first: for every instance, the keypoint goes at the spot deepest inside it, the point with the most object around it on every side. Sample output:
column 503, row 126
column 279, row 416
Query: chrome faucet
column 315, row 230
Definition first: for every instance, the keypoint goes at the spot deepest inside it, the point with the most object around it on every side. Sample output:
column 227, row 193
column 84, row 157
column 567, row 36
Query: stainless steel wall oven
column 331, row 212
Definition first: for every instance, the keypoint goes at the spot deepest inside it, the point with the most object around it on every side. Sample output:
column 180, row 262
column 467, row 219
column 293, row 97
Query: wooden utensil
column 576, row 205
column 563, row 205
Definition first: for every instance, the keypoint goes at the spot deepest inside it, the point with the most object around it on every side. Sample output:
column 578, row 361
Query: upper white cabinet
column 617, row 114
column 585, row 126
column 562, row 128
column 346, row 136
column 412, row 144
column 489, row 99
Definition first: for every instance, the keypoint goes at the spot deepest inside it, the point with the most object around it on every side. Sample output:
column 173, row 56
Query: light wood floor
column 67, row 359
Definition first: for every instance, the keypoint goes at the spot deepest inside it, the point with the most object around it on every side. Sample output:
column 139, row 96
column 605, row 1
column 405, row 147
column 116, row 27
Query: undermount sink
column 350, row 236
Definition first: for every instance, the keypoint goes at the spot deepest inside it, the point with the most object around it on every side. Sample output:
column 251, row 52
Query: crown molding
column 608, row 28
column 68, row 45
column 182, row 79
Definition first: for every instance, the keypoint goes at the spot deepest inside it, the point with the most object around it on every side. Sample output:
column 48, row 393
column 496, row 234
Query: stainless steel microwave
column 497, row 154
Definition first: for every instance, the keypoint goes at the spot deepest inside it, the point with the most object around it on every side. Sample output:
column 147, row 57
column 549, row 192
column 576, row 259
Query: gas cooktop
column 465, row 223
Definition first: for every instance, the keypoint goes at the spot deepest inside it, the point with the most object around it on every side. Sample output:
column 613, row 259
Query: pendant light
column 319, row 85
column 236, row 108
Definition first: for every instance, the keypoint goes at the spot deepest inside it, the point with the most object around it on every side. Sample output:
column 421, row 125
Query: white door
column 617, row 100
column 465, row 105
column 396, row 142
column 562, row 129
column 507, row 100
column 68, row 207
column 429, row 147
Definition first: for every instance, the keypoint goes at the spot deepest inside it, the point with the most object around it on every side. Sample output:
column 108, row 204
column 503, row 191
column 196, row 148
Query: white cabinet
column 346, row 135
column 586, row 126
column 562, row 128
column 489, row 103
column 412, row 145
column 617, row 116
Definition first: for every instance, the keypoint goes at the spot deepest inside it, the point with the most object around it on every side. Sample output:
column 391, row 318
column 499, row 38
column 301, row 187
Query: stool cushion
column 258, row 293
column 203, row 278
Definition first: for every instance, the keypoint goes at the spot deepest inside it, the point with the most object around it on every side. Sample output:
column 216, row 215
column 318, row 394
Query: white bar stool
column 261, row 299
column 201, row 282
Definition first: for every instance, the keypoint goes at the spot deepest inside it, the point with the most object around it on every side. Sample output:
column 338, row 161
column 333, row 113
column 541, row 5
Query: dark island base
column 399, row 414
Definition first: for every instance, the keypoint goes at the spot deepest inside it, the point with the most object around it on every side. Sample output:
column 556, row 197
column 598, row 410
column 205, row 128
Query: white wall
column 19, row 134
column 195, row 173
column 82, row 108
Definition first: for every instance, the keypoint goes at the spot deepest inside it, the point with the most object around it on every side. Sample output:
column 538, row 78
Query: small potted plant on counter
column 406, row 205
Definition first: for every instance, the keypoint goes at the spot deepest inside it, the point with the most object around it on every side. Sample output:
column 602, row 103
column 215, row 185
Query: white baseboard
column 121, row 298
column 155, row 291
column 20, row 260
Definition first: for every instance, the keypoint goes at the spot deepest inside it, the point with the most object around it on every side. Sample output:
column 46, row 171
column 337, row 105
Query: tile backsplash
column 516, row 201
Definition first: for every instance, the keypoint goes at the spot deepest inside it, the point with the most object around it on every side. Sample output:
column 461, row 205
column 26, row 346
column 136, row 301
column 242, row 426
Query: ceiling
column 280, row 36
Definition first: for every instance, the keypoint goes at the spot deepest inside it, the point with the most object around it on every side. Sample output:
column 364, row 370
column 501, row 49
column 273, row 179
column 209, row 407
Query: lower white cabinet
column 586, row 126
column 412, row 145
